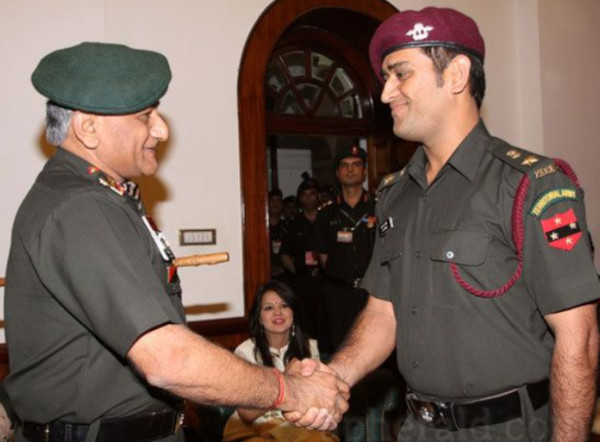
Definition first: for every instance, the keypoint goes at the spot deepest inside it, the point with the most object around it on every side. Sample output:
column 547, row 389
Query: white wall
column 199, row 175
column 571, row 93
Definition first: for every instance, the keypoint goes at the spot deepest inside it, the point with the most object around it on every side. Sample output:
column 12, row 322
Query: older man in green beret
column 99, row 349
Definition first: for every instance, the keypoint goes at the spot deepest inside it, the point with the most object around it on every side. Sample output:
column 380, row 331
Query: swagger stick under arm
column 196, row 260
column 186, row 261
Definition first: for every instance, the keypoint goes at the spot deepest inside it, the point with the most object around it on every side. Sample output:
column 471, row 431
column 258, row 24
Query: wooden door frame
column 261, row 42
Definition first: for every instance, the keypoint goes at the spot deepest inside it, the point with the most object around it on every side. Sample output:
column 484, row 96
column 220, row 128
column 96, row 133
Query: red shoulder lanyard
column 518, row 235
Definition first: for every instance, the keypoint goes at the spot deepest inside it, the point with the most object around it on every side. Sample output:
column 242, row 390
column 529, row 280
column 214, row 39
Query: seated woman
column 275, row 340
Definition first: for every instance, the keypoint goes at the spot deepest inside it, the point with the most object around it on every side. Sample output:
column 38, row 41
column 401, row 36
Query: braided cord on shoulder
column 518, row 235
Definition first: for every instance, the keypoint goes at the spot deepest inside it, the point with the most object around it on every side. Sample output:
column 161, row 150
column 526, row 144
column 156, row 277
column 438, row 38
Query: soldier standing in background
column 344, row 236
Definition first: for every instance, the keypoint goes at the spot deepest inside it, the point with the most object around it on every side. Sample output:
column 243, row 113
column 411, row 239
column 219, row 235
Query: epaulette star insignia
column 513, row 153
column 387, row 179
column 325, row 204
column 530, row 160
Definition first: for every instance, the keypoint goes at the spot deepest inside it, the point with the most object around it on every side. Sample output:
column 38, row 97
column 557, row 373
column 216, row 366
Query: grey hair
column 57, row 123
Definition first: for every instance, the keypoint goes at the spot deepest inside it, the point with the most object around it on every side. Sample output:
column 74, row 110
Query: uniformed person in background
column 95, row 327
column 299, row 257
column 344, row 236
column 290, row 207
column 277, row 231
column 481, row 274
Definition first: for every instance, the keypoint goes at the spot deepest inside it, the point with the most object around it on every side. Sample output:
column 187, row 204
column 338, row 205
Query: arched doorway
column 349, row 25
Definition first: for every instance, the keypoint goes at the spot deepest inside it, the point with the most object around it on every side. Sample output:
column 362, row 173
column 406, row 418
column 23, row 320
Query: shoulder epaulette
column 532, row 164
column 389, row 180
column 325, row 204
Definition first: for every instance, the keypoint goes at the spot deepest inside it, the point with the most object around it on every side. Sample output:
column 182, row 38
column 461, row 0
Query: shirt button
column 415, row 364
column 418, row 253
column 449, row 254
column 425, row 199
column 413, row 309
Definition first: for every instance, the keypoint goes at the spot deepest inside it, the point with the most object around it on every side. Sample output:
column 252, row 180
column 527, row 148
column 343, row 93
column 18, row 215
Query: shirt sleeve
column 377, row 277
column 557, row 258
column 95, row 258
column 246, row 351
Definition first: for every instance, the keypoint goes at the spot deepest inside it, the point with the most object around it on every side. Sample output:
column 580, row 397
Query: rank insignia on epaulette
column 513, row 153
column 387, row 179
column 325, row 204
column 112, row 185
column 530, row 160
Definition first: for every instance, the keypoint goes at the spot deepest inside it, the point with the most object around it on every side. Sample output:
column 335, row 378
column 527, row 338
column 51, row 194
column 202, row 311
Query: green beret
column 103, row 78
column 350, row 152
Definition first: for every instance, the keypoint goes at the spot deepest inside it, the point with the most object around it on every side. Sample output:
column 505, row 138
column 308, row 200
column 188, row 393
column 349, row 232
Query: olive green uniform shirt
column 84, row 281
column 452, row 344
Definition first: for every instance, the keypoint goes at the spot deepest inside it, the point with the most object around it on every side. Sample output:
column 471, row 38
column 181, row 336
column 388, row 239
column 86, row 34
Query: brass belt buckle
column 179, row 422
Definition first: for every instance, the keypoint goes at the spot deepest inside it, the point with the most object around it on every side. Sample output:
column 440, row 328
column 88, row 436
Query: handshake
column 312, row 395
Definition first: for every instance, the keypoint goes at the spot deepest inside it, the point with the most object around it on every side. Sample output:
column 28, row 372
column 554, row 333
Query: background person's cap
column 350, row 152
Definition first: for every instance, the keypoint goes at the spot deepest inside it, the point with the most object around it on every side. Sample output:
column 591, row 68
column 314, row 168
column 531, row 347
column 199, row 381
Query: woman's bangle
column 281, row 394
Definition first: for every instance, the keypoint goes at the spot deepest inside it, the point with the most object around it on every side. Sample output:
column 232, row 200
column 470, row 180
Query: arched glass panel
column 327, row 90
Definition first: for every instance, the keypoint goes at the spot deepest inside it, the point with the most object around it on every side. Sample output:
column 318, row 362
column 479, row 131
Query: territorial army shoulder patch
column 549, row 198
column 562, row 230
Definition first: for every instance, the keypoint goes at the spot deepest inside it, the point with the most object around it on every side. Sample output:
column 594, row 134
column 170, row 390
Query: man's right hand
column 316, row 397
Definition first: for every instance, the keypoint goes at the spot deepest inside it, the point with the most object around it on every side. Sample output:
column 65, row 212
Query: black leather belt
column 137, row 428
column 56, row 431
column 346, row 283
column 455, row 415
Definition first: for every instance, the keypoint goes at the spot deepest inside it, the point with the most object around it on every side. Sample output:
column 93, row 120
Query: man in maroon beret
column 481, row 275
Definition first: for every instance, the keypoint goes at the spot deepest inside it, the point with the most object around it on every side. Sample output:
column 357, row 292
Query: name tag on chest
column 345, row 236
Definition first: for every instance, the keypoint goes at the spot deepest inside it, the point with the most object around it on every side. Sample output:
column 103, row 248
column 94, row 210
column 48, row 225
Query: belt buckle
column 432, row 413
column 179, row 420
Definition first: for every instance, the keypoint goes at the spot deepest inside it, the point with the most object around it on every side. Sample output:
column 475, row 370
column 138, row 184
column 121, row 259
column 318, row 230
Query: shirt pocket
column 392, row 246
column 465, row 248
column 468, row 250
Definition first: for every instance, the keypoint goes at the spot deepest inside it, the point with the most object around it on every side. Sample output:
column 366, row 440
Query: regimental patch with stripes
column 562, row 230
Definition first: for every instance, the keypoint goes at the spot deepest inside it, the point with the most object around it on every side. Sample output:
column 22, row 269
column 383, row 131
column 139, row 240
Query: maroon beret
column 427, row 27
